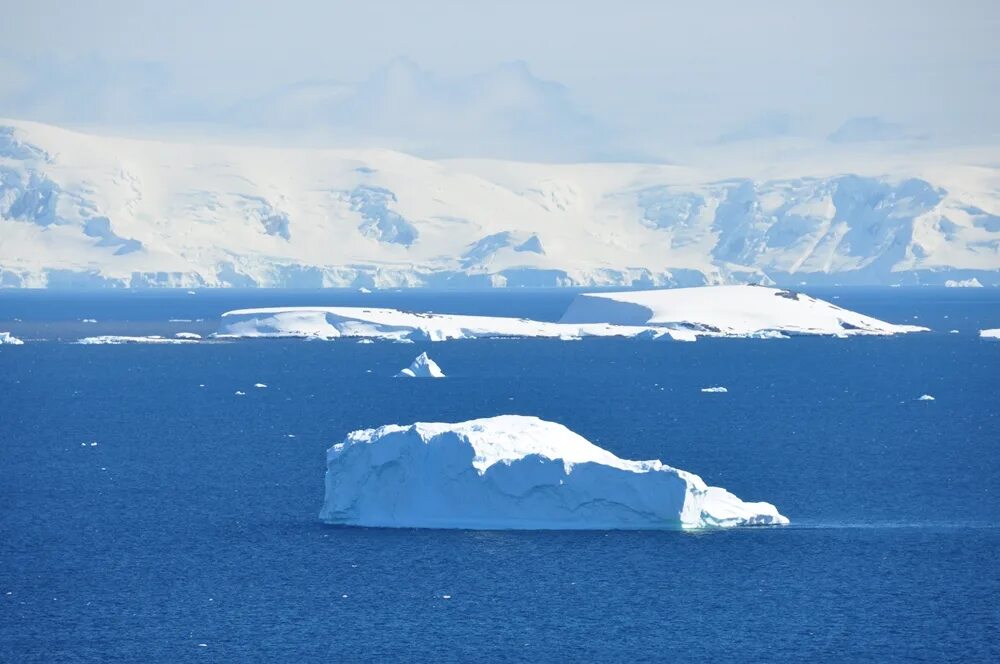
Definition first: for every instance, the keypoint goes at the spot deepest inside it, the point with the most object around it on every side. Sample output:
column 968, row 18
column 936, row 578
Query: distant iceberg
column 925, row 397
column 10, row 339
column 120, row 339
column 422, row 367
column 963, row 283
column 990, row 334
column 515, row 472
column 718, row 389
column 678, row 314
column 187, row 335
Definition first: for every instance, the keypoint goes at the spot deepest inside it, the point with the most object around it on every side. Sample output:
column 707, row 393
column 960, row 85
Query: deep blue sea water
column 194, row 519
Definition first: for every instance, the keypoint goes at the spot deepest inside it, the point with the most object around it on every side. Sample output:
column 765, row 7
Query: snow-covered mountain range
column 85, row 210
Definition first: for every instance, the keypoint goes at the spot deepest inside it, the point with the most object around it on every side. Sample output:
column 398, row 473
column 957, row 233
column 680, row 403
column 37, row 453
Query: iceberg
column 719, row 389
column 990, row 334
column 10, row 339
column 422, row 367
column 515, row 472
column 187, row 335
column 925, row 397
column 113, row 339
column 963, row 283
column 681, row 314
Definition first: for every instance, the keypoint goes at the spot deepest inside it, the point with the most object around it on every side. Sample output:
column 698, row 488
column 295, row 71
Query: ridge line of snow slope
column 515, row 472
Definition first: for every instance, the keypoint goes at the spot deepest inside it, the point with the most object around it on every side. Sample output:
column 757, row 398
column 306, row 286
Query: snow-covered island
column 9, row 339
column 422, row 367
column 733, row 311
column 515, row 472
column 680, row 314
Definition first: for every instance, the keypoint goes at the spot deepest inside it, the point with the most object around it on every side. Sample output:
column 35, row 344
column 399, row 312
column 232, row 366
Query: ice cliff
column 515, row 472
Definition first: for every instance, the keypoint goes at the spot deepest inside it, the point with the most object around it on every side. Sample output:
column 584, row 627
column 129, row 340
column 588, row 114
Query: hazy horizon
column 633, row 81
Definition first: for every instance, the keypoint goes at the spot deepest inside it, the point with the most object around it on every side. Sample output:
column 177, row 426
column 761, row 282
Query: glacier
column 515, row 472
column 82, row 210
column 422, row 367
column 681, row 314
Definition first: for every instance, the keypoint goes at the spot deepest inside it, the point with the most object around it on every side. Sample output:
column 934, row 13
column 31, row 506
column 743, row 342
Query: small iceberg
column 260, row 385
column 240, row 393
column 718, row 390
column 422, row 367
column 516, row 473
column 925, row 397
column 187, row 335
column 990, row 334
column 10, row 339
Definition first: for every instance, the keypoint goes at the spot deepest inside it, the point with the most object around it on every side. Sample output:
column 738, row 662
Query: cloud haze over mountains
column 529, row 81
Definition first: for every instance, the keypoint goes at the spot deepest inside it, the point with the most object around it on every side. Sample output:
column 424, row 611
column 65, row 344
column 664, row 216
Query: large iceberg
column 515, row 472
column 422, row 367
column 990, row 334
column 680, row 314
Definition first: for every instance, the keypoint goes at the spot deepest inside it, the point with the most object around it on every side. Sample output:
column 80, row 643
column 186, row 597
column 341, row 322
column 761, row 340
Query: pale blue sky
column 635, row 75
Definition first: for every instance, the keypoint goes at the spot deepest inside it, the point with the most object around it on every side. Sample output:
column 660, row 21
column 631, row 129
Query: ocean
column 189, row 531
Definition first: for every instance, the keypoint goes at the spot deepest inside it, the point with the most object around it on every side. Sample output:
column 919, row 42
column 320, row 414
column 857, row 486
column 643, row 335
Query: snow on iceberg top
column 515, row 472
column 728, row 310
column 422, row 367
column 503, row 439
